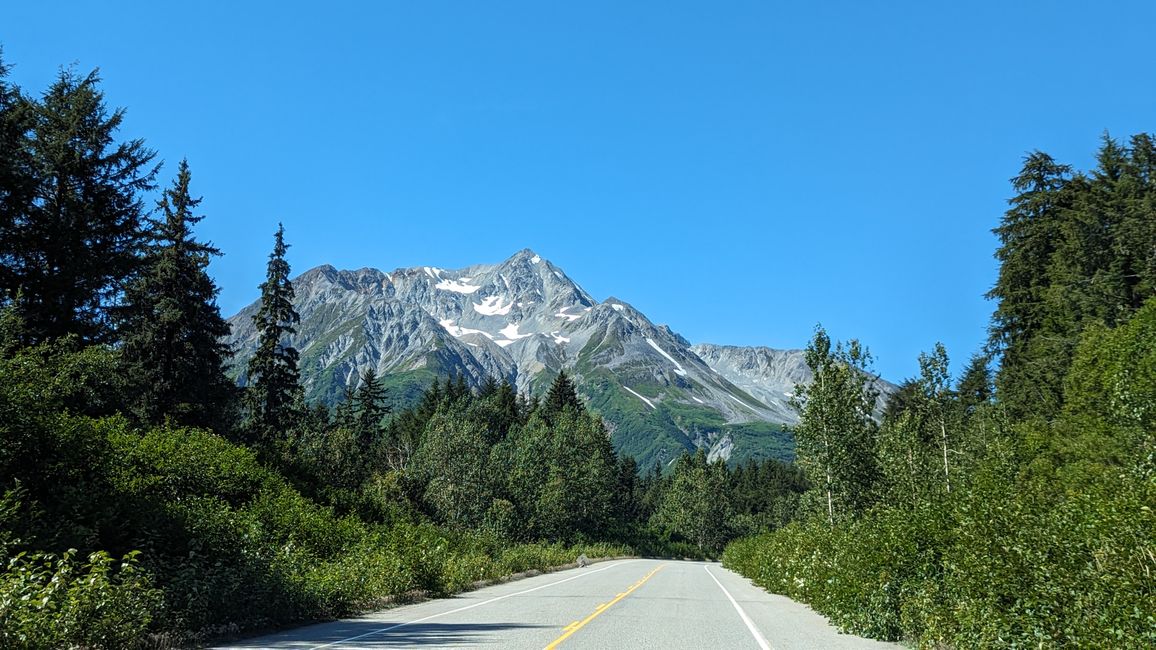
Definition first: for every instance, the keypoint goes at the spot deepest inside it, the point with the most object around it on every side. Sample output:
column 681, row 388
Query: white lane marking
column 746, row 619
column 462, row 609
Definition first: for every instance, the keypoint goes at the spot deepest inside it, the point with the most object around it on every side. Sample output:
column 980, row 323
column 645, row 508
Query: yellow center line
column 574, row 627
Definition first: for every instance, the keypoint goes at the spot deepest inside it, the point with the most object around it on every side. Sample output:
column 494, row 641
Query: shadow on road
column 376, row 634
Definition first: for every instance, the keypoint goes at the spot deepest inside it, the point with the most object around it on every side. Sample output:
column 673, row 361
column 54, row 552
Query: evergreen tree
column 975, row 385
column 73, row 247
column 173, row 354
column 274, row 381
column 562, row 394
column 371, row 409
column 1135, row 243
column 17, row 180
column 1029, row 373
column 344, row 415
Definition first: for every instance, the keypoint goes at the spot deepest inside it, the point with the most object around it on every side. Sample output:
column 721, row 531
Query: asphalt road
column 621, row 604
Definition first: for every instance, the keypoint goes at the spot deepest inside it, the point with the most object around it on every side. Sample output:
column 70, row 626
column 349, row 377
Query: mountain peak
column 524, row 320
column 528, row 255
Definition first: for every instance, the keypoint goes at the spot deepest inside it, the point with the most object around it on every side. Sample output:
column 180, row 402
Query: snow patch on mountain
column 570, row 317
column 493, row 306
column 457, row 286
column 678, row 369
column 458, row 332
column 511, row 332
column 648, row 402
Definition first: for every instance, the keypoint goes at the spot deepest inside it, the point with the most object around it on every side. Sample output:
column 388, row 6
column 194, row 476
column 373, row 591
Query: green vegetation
column 146, row 501
column 675, row 421
column 1014, row 510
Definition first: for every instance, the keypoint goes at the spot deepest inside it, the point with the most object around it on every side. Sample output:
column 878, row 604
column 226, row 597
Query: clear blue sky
column 739, row 170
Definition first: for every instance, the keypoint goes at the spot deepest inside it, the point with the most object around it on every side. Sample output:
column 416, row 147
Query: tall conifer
column 17, row 180
column 74, row 246
column 371, row 408
column 562, row 394
column 274, row 381
column 172, row 329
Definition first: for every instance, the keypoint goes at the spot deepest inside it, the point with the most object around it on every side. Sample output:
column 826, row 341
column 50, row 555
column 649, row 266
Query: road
column 620, row 604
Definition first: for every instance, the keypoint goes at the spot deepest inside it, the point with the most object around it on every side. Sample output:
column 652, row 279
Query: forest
column 1012, row 507
column 148, row 501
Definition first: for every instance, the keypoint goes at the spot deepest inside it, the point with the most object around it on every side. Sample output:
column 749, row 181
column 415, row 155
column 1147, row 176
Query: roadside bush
column 58, row 601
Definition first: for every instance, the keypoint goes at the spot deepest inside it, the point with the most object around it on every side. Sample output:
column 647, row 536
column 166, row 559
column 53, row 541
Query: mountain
column 771, row 375
column 524, row 320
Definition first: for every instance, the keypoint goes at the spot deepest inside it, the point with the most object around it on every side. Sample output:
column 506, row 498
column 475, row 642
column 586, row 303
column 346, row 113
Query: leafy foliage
column 50, row 601
column 1024, row 517
column 835, row 437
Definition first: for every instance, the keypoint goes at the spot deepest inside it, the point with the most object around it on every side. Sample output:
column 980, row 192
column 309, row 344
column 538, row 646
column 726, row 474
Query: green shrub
column 51, row 601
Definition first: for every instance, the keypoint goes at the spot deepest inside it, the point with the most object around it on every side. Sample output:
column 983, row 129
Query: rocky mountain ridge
column 524, row 320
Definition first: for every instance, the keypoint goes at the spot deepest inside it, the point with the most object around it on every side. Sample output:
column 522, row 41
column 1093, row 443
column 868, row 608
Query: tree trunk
column 946, row 474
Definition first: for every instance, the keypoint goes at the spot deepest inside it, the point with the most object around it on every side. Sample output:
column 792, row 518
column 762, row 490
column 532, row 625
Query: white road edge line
column 746, row 619
column 462, row 609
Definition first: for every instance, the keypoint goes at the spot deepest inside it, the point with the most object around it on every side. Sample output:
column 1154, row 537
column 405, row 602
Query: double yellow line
column 578, row 625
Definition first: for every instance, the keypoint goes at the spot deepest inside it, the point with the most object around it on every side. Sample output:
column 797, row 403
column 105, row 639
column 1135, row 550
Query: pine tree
column 173, row 353
column 562, row 394
column 72, row 249
column 371, row 409
column 274, row 381
column 1135, row 243
column 1028, row 235
column 975, row 385
column 344, row 415
column 17, row 180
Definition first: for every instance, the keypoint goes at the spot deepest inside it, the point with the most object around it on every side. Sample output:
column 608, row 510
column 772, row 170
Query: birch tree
column 836, row 435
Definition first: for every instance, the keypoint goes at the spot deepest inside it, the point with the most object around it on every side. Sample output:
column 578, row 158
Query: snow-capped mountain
column 524, row 320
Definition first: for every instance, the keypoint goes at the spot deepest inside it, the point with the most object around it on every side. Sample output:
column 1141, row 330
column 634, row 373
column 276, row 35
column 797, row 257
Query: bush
column 51, row 601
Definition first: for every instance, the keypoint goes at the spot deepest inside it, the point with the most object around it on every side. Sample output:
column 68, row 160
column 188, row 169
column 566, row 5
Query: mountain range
column 524, row 320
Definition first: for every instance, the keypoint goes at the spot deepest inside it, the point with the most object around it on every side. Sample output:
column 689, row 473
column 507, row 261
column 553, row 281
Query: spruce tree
column 1029, row 379
column 74, row 246
column 173, row 353
column 17, row 180
column 274, row 381
column 562, row 394
column 975, row 386
column 1136, row 240
column 371, row 409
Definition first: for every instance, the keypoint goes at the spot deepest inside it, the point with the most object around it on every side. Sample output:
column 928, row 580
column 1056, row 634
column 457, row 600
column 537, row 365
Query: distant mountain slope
column 524, row 320
column 771, row 375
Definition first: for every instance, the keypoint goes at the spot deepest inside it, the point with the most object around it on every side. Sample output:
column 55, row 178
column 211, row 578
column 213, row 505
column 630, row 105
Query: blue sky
column 739, row 170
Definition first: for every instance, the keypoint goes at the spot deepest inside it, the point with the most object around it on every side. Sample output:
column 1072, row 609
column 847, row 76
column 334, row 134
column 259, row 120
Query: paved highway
column 621, row 604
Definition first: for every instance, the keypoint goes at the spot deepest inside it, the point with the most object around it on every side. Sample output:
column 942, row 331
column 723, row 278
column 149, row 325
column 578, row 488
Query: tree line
column 1011, row 505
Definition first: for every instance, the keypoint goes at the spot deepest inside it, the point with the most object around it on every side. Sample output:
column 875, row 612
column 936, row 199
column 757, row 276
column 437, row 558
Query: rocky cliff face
column 772, row 375
column 524, row 320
